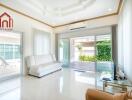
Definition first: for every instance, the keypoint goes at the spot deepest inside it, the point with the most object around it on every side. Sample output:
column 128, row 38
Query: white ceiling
column 58, row 12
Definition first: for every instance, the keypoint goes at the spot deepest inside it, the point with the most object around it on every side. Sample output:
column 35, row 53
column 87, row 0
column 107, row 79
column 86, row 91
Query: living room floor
column 62, row 85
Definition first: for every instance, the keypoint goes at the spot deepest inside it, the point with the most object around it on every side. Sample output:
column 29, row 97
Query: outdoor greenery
column 87, row 58
column 103, row 52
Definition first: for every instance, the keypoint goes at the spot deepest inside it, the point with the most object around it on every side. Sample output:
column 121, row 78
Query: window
column 9, row 51
column 41, row 43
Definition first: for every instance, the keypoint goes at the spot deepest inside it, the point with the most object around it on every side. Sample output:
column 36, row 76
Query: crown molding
column 74, row 22
column 23, row 14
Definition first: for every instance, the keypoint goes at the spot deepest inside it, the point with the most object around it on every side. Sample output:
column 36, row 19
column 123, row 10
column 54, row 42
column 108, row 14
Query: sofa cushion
column 50, row 66
column 42, row 65
column 47, row 66
column 44, row 68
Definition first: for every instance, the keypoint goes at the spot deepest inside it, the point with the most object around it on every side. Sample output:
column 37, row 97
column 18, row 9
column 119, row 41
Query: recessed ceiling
column 59, row 12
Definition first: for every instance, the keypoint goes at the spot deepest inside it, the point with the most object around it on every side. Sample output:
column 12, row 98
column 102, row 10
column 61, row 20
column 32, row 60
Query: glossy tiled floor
column 11, row 69
column 62, row 85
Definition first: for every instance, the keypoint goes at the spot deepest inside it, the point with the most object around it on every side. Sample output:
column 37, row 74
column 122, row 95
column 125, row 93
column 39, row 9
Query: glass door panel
column 10, row 54
column 64, row 52
column 104, row 56
column 83, row 53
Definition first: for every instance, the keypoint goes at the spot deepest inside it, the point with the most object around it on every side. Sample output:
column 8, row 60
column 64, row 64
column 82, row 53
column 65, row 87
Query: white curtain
column 41, row 43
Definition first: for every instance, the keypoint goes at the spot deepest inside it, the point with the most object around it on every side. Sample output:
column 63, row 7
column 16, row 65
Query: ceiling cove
column 60, row 10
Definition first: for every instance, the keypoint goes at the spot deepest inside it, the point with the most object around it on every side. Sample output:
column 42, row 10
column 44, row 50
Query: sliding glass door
column 89, row 53
column 10, row 54
column 104, row 56
column 64, row 52
column 83, row 53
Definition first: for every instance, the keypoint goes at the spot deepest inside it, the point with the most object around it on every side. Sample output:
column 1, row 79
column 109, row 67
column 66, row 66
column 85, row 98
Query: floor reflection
column 83, row 77
column 62, row 85
column 12, row 95
column 10, row 89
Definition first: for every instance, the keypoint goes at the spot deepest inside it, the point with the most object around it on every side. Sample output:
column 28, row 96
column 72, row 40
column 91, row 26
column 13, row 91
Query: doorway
column 10, row 54
column 89, row 53
column 83, row 53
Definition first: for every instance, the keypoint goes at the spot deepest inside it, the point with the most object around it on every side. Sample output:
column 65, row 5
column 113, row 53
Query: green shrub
column 103, row 50
column 87, row 58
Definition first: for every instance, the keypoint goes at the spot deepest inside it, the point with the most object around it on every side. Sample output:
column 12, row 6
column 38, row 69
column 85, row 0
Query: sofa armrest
column 93, row 94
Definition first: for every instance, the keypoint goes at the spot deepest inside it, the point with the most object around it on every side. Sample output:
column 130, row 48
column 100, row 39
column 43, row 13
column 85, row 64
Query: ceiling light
column 109, row 9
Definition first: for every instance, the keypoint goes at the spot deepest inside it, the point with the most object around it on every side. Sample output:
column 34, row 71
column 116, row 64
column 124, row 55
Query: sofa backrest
column 43, row 59
column 39, row 59
column 30, row 61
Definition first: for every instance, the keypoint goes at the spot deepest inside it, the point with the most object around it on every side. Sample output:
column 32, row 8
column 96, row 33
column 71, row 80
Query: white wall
column 90, row 24
column 125, row 38
column 86, row 32
column 26, row 26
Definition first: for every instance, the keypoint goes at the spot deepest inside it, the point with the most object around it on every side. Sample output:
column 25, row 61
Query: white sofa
column 42, row 65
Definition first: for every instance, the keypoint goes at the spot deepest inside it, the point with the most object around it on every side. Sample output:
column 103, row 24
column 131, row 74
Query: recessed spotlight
column 109, row 9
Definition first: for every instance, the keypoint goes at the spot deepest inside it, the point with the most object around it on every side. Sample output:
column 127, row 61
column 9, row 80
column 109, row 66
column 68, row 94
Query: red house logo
column 6, row 22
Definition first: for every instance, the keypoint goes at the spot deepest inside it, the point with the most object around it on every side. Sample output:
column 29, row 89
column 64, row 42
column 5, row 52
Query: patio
column 83, row 66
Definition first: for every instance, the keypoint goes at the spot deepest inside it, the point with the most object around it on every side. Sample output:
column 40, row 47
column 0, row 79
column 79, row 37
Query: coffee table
column 123, row 84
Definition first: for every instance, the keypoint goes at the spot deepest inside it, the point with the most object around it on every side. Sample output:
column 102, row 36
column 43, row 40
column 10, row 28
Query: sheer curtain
column 41, row 43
